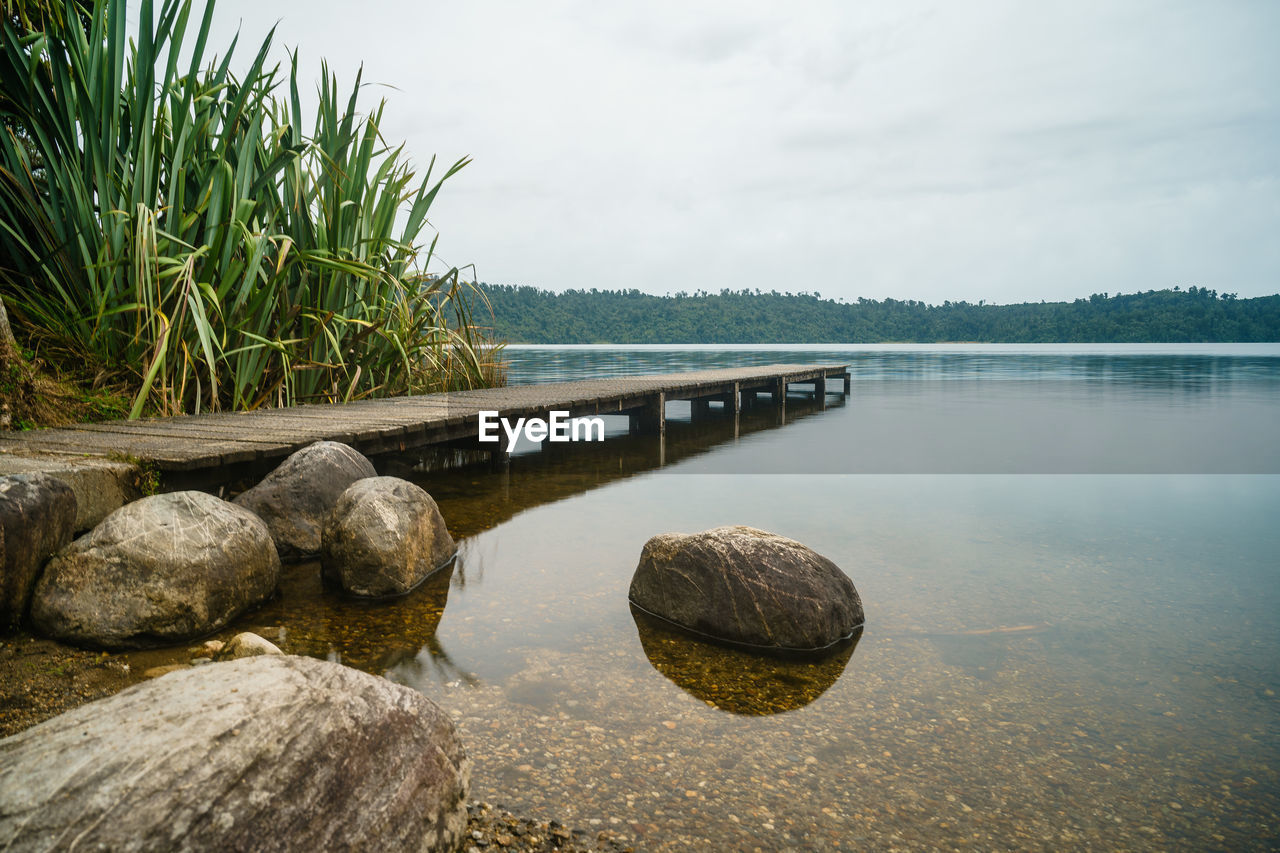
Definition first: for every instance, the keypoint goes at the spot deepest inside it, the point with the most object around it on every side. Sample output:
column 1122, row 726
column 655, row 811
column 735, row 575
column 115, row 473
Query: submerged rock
column 164, row 569
column 246, row 645
column 385, row 536
column 37, row 518
column 157, row 671
column 265, row 753
column 747, row 587
column 296, row 498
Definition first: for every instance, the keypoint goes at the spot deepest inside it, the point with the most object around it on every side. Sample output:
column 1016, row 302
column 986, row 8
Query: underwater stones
column 37, row 517
column 269, row 752
column 246, row 645
column 736, row 680
column 164, row 569
column 295, row 499
column 385, row 536
column 749, row 588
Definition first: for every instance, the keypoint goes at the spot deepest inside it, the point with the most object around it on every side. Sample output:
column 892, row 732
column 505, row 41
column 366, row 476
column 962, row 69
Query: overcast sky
column 991, row 149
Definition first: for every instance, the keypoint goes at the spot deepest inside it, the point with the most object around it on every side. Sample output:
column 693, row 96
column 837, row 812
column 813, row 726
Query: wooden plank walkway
column 198, row 447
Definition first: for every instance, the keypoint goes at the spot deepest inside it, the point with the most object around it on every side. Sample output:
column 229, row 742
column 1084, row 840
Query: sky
column 988, row 150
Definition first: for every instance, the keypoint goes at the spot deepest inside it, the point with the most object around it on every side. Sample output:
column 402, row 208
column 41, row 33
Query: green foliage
column 146, row 476
column 37, row 14
column 529, row 315
column 185, row 226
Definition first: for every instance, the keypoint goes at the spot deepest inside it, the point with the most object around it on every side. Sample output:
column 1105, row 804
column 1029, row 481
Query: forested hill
column 529, row 315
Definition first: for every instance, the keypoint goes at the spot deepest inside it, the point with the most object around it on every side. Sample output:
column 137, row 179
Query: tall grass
column 191, row 227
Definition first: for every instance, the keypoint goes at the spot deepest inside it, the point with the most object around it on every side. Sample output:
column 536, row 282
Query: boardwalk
column 197, row 448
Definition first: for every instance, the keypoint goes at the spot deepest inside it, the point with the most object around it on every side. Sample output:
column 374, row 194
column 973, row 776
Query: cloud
column 993, row 149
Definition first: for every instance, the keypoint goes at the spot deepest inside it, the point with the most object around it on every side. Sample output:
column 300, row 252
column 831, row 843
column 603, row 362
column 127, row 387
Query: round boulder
column 161, row 570
column 748, row 588
column 385, row 536
column 295, row 499
column 264, row 753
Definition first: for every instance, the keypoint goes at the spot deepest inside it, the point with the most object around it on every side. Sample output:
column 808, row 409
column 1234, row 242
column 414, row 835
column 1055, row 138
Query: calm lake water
column 1068, row 558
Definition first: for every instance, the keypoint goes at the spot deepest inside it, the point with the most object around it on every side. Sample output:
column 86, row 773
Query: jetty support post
column 820, row 392
column 848, row 378
column 651, row 418
column 733, row 400
column 699, row 408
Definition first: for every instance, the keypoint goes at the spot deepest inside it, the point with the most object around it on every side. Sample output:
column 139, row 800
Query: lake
column 1068, row 561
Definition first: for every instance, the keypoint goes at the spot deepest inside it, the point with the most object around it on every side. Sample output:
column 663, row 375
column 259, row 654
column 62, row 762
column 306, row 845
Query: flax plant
column 189, row 226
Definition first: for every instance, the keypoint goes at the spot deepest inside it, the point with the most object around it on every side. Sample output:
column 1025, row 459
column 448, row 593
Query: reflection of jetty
column 209, row 449
column 476, row 495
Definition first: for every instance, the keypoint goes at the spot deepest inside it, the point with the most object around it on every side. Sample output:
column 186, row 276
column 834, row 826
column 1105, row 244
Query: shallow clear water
column 1068, row 561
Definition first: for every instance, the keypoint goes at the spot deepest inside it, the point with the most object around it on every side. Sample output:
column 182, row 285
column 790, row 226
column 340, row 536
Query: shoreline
column 41, row 679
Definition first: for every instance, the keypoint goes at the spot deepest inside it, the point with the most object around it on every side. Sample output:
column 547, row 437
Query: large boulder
column 37, row 518
column 747, row 587
column 265, row 753
column 161, row 570
column 385, row 537
column 296, row 498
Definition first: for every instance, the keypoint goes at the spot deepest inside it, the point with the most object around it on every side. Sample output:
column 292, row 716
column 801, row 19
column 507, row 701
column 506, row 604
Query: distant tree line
column 1197, row 314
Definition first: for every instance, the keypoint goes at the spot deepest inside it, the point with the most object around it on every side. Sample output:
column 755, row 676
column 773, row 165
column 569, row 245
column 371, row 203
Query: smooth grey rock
column 296, row 498
column 748, row 587
column 385, row 537
column 161, row 570
column 268, row 753
column 246, row 645
column 37, row 518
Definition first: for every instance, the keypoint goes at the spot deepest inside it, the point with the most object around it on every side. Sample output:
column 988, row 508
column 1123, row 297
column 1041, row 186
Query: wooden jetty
column 195, row 450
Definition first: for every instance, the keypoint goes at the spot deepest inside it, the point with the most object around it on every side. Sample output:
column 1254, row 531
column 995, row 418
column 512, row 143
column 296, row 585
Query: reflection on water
column 1140, row 712
column 978, row 410
column 481, row 496
column 1180, row 369
column 734, row 680
column 373, row 636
